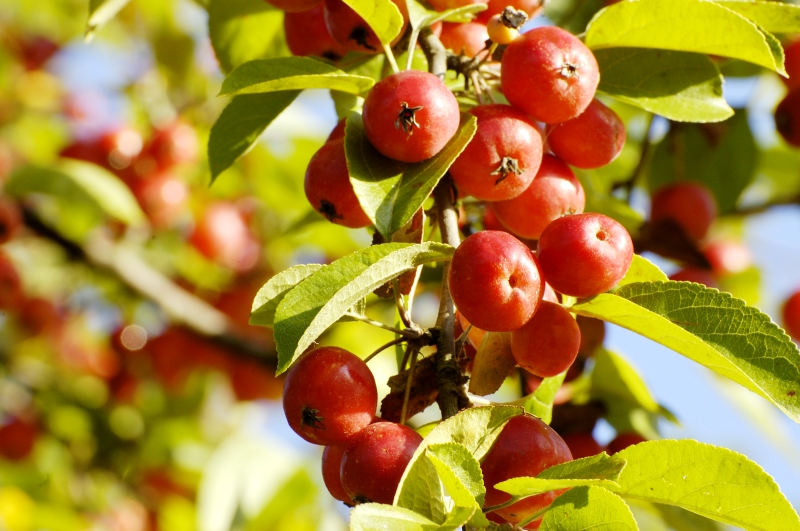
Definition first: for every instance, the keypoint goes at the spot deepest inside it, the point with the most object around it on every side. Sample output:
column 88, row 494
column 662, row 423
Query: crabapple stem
column 408, row 333
column 390, row 56
column 401, row 307
column 380, row 349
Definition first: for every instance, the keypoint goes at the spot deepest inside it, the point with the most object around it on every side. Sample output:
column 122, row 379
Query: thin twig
column 384, row 347
column 401, row 307
column 390, row 57
column 408, row 333
column 640, row 166
column 412, row 351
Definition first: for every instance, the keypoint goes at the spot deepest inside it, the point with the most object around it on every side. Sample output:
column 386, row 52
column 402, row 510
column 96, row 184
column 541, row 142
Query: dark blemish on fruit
column 360, row 34
column 328, row 209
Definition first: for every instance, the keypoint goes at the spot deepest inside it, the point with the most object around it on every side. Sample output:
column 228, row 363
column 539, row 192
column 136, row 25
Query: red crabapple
column 495, row 281
column 550, row 74
column 593, row 333
column 410, row 116
column 10, row 219
column 624, row 440
column 307, row 34
column 329, row 395
column 689, row 204
column 502, row 158
column 554, row 192
column 791, row 315
column 727, row 257
column 469, row 38
column 375, row 459
column 222, row 235
column 525, row 447
column 17, row 439
column 692, row 274
column 338, row 131
column 582, row 445
column 331, row 473
column 351, row 31
column 591, row 140
column 328, row 187
column 787, row 118
column 792, row 64
column 585, row 254
column 171, row 145
column 294, row 6
column 11, row 294
column 548, row 343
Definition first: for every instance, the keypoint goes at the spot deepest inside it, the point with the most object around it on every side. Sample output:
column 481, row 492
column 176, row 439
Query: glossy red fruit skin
column 328, row 188
column 294, row 6
column 553, row 193
column 495, row 281
column 727, row 257
column 338, row 131
column 548, row 343
column 690, row 205
column 172, row 145
column 348, row 29
column 331, row 473
column 582, row 445
column 593, row 333
column 787, row 118
column 531, row 7
column 550, row 74
column 437, row 120
column 469, row 38
column 329, row 395
column 163, row 198
column 624, row 440
column 592, row 139
column 585, row 254
column 503, row 131
column 792, row 64
column 791, row 315
column 222, row 235
column 525, row 447
column 700, row 276
column 375, row 459
column 10, row 219
column 307, row 34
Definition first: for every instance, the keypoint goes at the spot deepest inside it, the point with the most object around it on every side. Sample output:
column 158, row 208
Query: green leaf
column 243, row 30
column 273, row 292
column 382, row 16
column 588, row 508
column 681, row 86
column 642, row 270
column 460, row 516
column 420, row 17
column 775, row 17
column 492, row 364
column 540, row 402
column 600, row 470
column 390, row 192
column 721, row 156
column 711, row 328
column 572, row 15
column 714, row 482
column 682, row 520
column 291, row 73
column 423, row 492
column 684, row 26
column 613, row 376
column 320, row 300
column 241, row 123
column 461, row 475
column 83, row 182
column 378, row 517
column 475, row 428
column 100, row 12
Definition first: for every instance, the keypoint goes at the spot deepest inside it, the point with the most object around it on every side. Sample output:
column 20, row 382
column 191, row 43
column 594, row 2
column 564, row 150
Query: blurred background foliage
column 133, row 394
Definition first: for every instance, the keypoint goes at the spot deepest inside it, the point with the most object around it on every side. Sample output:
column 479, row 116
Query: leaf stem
column 391, row 343
column 390, row 57
column 408, row 333
column 411, row 349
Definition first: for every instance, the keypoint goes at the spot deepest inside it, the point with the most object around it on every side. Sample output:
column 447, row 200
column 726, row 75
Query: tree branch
column 182, row 307
column 434, row 51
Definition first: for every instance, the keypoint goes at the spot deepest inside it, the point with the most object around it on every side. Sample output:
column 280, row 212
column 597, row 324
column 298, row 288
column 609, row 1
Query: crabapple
column 347, row 28
column 10, row 219
column 550, row 74
column 375, row 459
column 590, row 140
column 338, row 131
column 294, row 6
column 582, row 445
column 553, row 193
column 17, row 438
column 502, row 158
column 171, row 145
column 328, row 188
column 548, row 343
column 329, row 395
column 689, row 204
column 331, row 473
column 787, row 118
column 469, row 38
column 410, row 116
column 585, row 254
column 11, row 293
column 499, row 32
column 163, row 198
column 222, row 235
column 727, row 257
column 624, row 440
column 496, row 7
column 526, row 446
column 792, row 64
column 791, row 315
column 495, row 281
column 307, row 34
